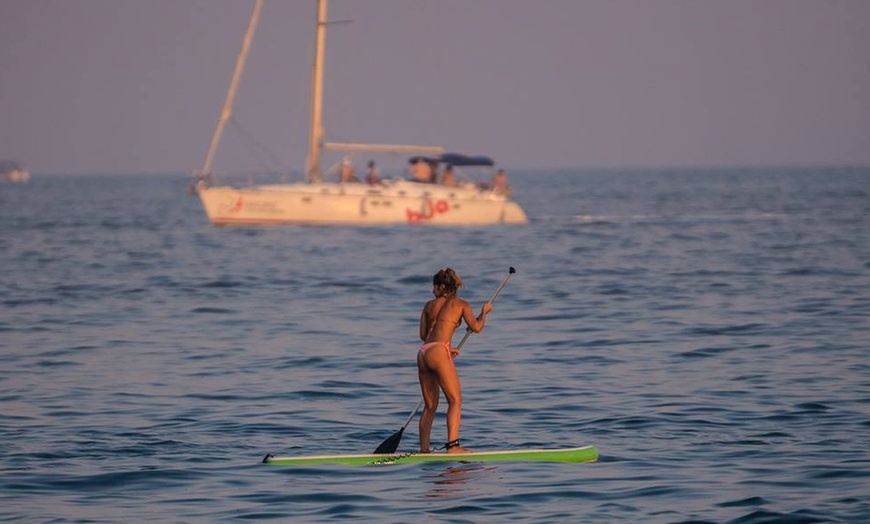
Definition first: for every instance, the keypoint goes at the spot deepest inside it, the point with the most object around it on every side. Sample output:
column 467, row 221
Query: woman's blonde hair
column 449, row 280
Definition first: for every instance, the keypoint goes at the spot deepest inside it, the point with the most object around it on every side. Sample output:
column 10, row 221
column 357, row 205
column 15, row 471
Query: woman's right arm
column 476, row 323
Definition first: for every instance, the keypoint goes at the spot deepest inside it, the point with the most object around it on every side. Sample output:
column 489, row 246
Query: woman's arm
column 475, row 323
column 424, row 324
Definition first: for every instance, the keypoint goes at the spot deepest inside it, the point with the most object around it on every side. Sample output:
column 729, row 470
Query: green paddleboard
column 582, row 454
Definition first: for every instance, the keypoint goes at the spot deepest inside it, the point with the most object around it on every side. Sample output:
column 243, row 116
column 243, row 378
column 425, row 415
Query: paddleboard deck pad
column 581, row 454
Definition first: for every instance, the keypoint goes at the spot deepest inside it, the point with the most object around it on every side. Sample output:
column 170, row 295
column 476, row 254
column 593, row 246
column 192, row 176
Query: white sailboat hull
column 396, row 202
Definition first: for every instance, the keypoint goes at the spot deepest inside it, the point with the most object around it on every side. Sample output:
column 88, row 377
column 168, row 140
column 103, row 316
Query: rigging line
column 256, row 148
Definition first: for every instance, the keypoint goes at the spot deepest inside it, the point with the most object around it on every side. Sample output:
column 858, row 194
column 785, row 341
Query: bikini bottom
column 427, row 345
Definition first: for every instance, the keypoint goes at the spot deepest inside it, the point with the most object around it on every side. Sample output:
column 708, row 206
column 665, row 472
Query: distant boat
column 13, row 172
column 315, row 201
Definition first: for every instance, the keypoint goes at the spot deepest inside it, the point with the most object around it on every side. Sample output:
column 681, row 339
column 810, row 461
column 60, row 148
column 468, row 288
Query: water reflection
column 457, row 480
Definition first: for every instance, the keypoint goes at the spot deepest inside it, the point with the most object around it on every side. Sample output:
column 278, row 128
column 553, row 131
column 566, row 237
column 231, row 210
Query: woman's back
column 447, row 317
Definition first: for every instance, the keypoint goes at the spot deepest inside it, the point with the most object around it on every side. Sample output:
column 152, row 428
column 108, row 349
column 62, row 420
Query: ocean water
column 706, row 330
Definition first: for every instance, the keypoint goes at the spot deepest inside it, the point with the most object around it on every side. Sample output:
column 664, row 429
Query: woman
column 439, row 319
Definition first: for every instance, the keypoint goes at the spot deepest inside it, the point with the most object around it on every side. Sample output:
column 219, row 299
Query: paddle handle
column 511, row 271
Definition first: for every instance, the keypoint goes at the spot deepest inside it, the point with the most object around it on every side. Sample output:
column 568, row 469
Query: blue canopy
column 466, row 160
column 455, row 159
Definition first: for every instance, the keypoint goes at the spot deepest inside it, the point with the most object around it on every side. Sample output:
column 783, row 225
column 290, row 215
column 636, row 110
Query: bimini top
column 455, row 159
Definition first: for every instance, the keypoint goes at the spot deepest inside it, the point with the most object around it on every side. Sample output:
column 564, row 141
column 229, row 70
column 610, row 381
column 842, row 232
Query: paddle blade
column 391, row 444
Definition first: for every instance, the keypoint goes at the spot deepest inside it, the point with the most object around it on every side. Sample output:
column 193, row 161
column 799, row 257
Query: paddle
column 392, row 444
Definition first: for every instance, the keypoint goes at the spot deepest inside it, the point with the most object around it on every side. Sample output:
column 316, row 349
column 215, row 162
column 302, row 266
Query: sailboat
column 316, row 201
column 11, row 171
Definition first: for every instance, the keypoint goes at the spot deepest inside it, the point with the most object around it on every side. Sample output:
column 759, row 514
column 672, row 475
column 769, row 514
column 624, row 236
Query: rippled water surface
column 707, row 331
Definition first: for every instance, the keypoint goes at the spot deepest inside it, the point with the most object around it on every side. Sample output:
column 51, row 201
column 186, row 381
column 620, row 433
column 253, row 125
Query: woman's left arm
column 424, row 324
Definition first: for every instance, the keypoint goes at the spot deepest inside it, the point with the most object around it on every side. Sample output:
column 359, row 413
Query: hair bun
column 449, row 279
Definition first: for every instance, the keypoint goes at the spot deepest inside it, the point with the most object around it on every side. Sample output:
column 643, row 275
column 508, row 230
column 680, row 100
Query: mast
column 227, row 111
column 315, row 130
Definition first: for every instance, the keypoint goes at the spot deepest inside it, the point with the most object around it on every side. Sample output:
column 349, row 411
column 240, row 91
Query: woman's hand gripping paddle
column 392, row 444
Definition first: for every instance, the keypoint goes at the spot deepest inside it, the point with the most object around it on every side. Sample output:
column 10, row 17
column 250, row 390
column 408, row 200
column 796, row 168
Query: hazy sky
column 121, row 86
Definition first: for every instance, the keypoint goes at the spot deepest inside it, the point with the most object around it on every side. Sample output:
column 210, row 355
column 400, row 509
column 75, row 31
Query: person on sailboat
column 421, row 171
column 347, row 172
column 448, row 179
column 436, row 371
column 372, row 177
column 499, row 183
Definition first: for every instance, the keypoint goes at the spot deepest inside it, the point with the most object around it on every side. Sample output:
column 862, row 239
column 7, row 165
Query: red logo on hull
column 437, row 207
column 237, row 206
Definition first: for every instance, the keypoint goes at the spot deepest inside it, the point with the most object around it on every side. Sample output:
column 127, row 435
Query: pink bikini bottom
column 427, row 345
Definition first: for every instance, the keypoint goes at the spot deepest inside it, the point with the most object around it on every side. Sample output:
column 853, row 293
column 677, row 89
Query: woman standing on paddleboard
column 441, row 316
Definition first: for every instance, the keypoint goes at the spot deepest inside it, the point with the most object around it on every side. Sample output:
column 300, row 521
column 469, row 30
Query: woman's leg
column 440, row 363
column 431, row 392
column 449, row 380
